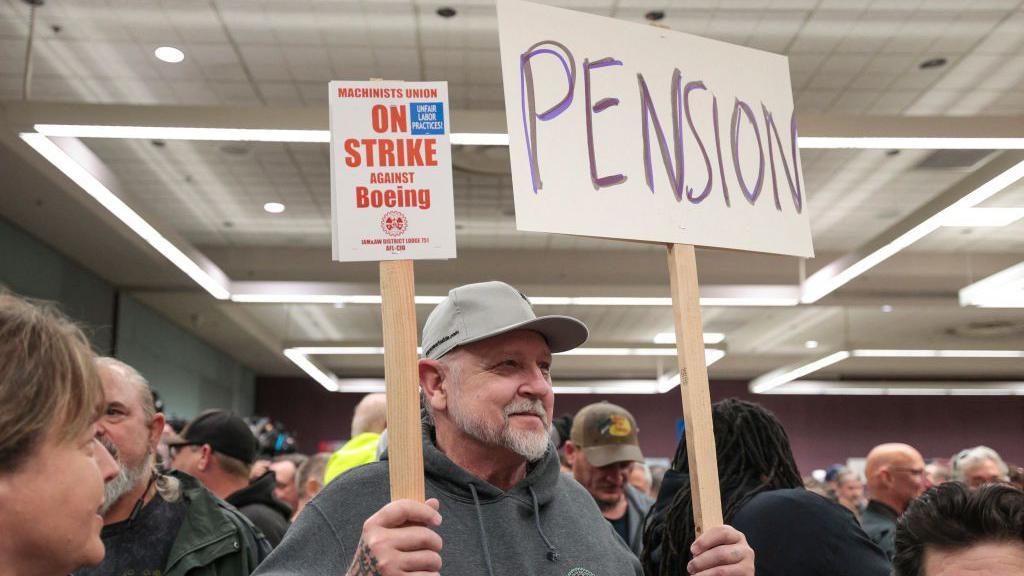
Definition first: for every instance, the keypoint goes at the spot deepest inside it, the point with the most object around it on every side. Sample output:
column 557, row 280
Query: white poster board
column 598, row 110
column 391, row 171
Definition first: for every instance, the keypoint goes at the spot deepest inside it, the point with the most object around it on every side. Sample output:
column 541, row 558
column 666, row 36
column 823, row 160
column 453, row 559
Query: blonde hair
column 48, row 381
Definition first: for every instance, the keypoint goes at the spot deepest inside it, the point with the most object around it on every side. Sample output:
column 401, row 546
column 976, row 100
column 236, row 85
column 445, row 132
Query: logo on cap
column 615, row 425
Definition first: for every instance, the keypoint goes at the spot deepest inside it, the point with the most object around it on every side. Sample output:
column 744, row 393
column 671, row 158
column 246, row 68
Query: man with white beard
column 154, row 523
column 490, row 470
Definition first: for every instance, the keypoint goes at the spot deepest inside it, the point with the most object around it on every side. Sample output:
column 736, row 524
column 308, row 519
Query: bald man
column 369, row 421
column 895, row 474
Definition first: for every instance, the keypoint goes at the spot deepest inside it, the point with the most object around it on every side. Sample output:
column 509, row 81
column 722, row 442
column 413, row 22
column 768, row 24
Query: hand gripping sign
column 392, row 201
column 621, row 130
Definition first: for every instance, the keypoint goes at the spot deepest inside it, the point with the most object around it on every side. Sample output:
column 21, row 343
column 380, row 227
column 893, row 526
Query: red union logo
column 394, row 223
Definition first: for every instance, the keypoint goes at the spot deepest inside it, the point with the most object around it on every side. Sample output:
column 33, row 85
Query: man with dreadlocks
column 793, row 532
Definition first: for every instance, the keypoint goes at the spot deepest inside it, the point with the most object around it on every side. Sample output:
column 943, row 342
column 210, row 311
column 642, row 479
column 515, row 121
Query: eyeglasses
column 173, row 451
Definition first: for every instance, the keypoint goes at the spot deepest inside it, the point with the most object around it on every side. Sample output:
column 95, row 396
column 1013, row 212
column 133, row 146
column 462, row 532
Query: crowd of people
column 95, row 481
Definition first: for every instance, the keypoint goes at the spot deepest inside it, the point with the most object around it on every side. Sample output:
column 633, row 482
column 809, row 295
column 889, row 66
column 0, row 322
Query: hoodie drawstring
column 483, row 533
column 552, row 553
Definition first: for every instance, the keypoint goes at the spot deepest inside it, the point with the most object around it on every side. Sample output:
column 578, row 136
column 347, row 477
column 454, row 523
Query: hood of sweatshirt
column 260, row 491
column 541, row 476
column 536, row 489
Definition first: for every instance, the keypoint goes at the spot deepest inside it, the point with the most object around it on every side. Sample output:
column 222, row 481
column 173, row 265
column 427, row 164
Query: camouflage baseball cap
column 607, row 434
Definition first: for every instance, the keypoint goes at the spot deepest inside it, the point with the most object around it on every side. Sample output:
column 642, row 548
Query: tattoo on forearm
column 365, row 563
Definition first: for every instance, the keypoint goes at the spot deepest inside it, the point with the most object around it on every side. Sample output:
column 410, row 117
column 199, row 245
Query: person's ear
column 313, row 487
column 156, row 430
column 434, row 383
column 571, row 452
column 205, row 457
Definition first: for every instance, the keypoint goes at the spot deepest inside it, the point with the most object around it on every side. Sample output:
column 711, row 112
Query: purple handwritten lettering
column 718, row 149
column 794, row 191
column 529, row 105
column 647, row 112
column 697, row 85
column 605, row 103
column 735, row 131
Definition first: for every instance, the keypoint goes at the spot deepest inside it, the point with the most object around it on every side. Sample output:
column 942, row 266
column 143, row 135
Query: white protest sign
column 391, row 171
column 623, row 130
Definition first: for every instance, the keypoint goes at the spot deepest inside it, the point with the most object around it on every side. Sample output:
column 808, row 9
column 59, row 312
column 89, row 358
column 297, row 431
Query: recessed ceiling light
column 886, row 308
column 811, row 344
column 933, row 63
column 169, row 54
column 446, row 12
column 655, row 15
column 274, row 207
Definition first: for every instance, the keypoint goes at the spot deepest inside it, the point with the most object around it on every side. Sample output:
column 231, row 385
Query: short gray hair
column 313, row 467
column 845, row 475
column 132, row 375
column 971, row 457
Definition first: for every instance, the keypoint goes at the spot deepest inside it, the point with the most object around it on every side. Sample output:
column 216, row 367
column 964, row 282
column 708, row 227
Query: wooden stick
column 401, row 379
column 693, row 385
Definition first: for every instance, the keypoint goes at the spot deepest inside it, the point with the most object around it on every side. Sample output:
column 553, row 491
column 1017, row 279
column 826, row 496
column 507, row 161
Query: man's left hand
column 721, row 551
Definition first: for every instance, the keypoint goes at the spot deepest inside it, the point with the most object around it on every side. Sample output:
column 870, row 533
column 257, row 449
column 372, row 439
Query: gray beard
column 529, row 445
column 127, row 478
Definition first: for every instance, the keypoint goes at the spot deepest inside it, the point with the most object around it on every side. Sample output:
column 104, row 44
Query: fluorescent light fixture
column 273, row 207
column 711, row 355
column 916, row 143
column 323, row 299
column 479, row 139
column 299, row 356
column 231, row 134
column 739, row 301
column 983, row 217
column 265, row 298
column 299, row 359
column 886, row 308
column 772, row 380
column 485, row 138
column 670, row 338
column 183, row 133
column 899, row 388
column 1004, row 289
column 868, row 353
column 811, row 344
column 93, row 187
column 823, row 282
column 169, row 54
column 781, row 376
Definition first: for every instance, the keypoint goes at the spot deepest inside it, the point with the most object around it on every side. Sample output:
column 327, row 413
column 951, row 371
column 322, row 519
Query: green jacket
column 214, row 538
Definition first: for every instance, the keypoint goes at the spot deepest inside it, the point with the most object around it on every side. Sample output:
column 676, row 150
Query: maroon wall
column 823, row 429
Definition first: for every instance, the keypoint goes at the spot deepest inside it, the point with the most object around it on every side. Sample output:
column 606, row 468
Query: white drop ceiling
column 850, row 60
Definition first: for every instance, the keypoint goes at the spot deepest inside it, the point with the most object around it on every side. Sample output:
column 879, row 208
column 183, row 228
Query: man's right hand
column 399, row 539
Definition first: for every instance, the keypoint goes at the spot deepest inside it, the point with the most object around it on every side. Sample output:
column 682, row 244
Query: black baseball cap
column 224, row 432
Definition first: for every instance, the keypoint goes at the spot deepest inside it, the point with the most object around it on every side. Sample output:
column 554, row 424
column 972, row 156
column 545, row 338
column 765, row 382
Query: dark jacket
column 258, row 504
column 546, row 525
column 879, row 523
column 636, row 511
column 214, row 539
column 793, row 532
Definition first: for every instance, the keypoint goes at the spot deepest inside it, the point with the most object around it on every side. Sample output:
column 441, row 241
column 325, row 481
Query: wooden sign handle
column 693, row 385
column 401, row 379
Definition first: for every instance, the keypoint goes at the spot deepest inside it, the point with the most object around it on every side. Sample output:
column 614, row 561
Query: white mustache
column 524, row 406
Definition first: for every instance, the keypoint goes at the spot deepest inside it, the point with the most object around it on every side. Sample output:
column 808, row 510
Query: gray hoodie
column 547, row 524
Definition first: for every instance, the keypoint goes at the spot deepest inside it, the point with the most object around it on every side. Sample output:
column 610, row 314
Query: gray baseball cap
column 478, row 311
